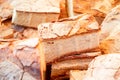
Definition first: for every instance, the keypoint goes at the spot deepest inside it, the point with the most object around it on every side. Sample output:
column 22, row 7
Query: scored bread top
column 83, row 23
column 38, row 6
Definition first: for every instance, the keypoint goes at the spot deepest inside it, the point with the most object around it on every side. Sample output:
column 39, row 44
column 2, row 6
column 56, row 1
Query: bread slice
column 33, row 12
column 68, row 36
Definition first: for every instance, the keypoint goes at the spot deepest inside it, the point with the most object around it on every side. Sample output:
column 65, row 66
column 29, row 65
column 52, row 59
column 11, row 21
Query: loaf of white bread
column 68, row 36
column 30, row 13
